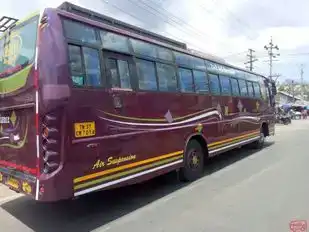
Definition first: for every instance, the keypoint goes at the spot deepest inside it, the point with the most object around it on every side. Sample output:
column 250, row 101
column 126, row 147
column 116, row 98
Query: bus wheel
column 193, row 162
column 260, row 142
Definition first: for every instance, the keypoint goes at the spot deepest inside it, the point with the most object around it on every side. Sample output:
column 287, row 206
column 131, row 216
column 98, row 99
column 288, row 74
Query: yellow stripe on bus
column 232, row 139
column 127, row 166
column 231, row 142
column 121, row 174
column 135, row 164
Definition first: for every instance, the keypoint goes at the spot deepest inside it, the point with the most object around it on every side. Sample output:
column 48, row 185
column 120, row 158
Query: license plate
column 12, row 182
column 84, row 129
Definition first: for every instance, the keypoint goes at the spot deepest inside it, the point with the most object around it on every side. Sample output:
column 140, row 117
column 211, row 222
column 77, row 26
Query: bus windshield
column 17, row 47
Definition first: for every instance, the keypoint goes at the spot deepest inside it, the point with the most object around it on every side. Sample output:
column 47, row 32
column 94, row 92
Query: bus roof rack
column 7, row 23
column 69, row 7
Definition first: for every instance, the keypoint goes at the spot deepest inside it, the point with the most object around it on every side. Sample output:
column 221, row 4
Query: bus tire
column 193, row 162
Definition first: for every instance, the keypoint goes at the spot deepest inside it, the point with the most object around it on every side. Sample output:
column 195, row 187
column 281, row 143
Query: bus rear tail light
column 51, row 142
column 50, row 133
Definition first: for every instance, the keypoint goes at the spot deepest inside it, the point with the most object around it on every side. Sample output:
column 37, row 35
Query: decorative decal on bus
column 14, row 132
column 4, row 120
column 12, row 50
column 26, row 187
column 113, row 161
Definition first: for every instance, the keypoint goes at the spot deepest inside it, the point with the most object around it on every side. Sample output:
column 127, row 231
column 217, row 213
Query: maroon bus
column 91, row 103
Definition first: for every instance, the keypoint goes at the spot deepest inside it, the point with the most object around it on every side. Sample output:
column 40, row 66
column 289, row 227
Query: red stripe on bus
column 18, row 167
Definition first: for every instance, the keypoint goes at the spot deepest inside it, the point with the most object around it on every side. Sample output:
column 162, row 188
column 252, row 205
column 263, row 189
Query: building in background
column 283, row 98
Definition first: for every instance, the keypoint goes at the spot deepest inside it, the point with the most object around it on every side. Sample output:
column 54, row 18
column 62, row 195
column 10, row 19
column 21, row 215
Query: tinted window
column 243, row 87
column 124, row 74
column 183, row 59
column 201, row 82
column 92, row 66
column 144, row 48
column 146, row 75
column 75, row 61
column 119, row 73
column 113, row 71
column 257, row 90
column 198, row 63
column 235, row 87
column 114, row 42
column 186, row 80
column 225, row 85
column 79, row 31
column 167, row 77
column 250, row 88
column 214, row 84
column 165, row 54
column 263, row 91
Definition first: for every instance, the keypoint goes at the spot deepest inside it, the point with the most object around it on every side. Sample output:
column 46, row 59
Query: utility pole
column 293, row 92
column 302, row 81
column 251, row 60
column 271, row 55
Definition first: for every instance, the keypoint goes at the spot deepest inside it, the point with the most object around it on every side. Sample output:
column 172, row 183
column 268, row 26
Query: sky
column 224, row 28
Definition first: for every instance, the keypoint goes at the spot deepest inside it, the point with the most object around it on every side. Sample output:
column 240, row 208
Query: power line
column 174, row 21
column 234, row 54
column 141, row 20
column 137, row 18
column 239, row 21
column 174, row 17
column 252, row 59
column 271, row 55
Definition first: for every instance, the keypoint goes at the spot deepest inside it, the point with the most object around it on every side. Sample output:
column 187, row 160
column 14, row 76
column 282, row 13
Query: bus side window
column 225, row 85
column 243, row 88
column 235, row 87
column 76, row 67
column 167, row 77
column 214, row 84
column 79, row 31
column 119, row 73
column 147, row 79
column 115, row 42
column 201, row 82
column 186, row 80
column 250, row 89
column 257, row 90
column 92, row 67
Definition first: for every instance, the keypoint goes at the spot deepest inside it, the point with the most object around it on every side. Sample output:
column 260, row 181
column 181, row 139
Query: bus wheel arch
column 264, row 132
column 265, row 129
column 195, row 154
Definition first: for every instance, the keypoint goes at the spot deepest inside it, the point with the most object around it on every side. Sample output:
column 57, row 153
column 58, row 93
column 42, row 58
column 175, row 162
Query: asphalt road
column 243, row 190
